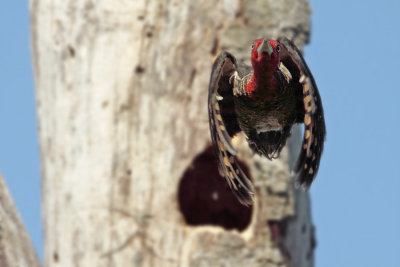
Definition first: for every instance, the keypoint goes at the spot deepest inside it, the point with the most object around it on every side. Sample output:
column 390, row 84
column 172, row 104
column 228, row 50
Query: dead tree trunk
column 16, row 248
column 127, row 177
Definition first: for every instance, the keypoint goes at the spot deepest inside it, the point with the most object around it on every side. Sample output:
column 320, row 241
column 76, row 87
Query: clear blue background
column 354, row 54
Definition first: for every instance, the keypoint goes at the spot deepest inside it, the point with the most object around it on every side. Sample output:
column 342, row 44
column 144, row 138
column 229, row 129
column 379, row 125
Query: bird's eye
column 278, row 48
column 252, row 46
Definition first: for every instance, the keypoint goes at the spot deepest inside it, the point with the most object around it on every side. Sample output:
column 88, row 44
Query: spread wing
column 310, row 112
column 223, row 125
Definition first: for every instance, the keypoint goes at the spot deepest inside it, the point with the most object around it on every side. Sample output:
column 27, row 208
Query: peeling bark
column 121, row 92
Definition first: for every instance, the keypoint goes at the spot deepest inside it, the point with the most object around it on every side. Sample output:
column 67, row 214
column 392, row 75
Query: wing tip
column 243, row 189
column 305, row 175
column 245, row 197
column 301, row 182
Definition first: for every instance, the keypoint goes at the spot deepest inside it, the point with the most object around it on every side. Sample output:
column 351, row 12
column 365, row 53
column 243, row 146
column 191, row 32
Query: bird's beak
column 265, row 46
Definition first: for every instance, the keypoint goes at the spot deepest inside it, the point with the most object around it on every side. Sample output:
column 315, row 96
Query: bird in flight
column 264, row 101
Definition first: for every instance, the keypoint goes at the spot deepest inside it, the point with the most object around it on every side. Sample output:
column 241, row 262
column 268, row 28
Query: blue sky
column 354, row 54
column 19, row 155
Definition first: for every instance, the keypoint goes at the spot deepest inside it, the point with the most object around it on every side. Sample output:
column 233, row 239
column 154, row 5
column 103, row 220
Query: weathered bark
column 121, row 96
column 16, row 248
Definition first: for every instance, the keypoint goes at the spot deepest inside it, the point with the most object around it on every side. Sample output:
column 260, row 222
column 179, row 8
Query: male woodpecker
column 264, row 101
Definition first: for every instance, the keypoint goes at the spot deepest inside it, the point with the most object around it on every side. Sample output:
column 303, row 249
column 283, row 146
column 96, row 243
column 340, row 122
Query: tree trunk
column 128, row 179
column 16, row 248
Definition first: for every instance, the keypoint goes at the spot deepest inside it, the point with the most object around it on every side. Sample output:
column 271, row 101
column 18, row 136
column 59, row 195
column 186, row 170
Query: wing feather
column 220, row 88
column 308, row 161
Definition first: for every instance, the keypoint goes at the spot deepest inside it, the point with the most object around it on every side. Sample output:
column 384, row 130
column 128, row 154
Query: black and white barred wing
column 314, row 133
column 223, row 125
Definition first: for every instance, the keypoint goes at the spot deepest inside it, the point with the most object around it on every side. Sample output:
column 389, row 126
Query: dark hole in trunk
column 206, row 199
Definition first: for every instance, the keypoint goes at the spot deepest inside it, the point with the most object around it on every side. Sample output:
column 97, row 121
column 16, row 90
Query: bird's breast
column 263, row 116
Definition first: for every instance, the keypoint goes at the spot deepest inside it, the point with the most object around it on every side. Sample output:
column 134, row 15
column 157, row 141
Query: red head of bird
column 265, row 61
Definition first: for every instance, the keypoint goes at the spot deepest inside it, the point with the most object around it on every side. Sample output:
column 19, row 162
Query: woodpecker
column 264, row 101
